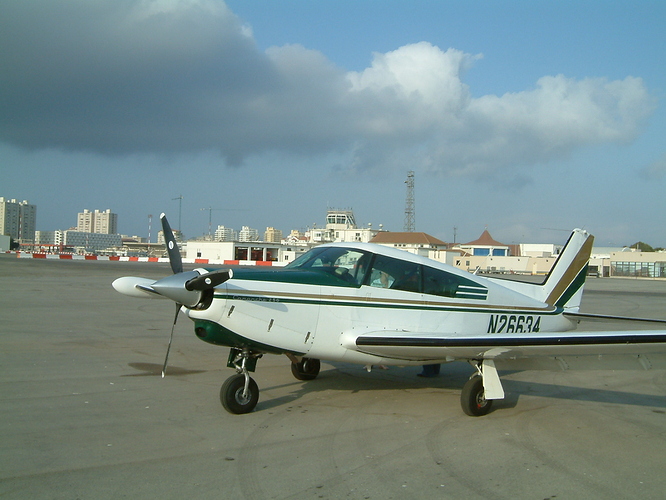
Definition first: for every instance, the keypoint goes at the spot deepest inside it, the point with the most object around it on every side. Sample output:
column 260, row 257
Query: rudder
column 563, row 286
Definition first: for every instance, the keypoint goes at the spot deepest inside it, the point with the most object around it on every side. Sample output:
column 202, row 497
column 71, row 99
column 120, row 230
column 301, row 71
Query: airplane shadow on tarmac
column 344, row 379
column 355, row 379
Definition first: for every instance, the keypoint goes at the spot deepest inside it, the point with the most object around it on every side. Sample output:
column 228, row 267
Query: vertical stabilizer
column 564, row 284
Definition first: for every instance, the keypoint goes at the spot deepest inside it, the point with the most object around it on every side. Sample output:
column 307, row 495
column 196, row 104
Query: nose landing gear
column 239, row 393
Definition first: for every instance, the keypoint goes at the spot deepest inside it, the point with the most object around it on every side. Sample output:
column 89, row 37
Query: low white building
column 233, row 252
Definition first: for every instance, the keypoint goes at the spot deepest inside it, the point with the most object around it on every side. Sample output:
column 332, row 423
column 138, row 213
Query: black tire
column 231, row 395
column 472, row 398
column 306, row 369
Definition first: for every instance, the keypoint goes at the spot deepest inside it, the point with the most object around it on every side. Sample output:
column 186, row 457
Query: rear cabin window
column 395, row 274
column 398, row 274
column 444, row 284
column 438, row 282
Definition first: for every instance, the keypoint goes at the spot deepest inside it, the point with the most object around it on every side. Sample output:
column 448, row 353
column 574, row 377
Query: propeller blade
column 209, row 280
column 166, row 359
column 172, row 247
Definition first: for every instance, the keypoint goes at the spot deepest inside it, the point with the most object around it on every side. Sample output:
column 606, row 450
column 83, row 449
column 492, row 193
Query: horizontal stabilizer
column 576, row 315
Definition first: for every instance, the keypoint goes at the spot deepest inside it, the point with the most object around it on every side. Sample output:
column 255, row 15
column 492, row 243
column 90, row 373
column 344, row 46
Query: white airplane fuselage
column 282, row 310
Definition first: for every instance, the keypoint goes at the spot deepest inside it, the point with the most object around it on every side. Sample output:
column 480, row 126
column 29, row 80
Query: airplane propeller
column 190, row 289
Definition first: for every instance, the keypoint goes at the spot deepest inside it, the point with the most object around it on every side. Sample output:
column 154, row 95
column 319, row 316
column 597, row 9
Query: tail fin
column 563, row 286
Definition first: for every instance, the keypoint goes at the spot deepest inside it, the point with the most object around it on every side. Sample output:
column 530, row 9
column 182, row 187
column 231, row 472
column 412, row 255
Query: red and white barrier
column 52, row 256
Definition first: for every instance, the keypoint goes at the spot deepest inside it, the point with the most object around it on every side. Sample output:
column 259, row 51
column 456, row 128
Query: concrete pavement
column 84, row 412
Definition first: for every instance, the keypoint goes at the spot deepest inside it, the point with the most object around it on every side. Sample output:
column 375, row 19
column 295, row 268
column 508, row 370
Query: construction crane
column 210, row 215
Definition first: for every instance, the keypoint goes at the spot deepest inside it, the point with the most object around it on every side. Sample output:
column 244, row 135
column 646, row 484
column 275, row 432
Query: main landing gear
column 481, row 389
column 239, row 393
column 305, row 369
column 473, row 397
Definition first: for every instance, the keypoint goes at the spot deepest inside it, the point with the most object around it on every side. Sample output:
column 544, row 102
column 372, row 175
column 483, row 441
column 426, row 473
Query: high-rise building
column 272, row 235
column 248, row 234
column 225, row 234
column 18, row 220
column 97, row 222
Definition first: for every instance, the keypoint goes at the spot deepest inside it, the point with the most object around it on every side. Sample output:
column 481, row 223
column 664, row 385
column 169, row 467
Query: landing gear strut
column 239, row 393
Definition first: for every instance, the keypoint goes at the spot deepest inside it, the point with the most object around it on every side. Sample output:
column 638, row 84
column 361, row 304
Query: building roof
column 485, row 240
column 408, row 238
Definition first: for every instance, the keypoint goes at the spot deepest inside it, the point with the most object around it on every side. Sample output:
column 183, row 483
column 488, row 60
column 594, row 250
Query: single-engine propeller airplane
column 373, row 305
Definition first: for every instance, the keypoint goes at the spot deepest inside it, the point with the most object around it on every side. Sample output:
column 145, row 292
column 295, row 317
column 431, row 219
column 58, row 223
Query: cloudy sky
column 524, row 117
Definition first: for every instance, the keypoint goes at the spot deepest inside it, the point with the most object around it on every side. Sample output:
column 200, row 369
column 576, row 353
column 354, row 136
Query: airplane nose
column 173, row 287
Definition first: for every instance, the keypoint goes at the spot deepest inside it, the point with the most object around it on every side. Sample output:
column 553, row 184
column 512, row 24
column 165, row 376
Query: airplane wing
column 561, row 350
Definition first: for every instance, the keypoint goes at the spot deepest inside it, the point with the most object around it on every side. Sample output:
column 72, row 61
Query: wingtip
column 162, row 215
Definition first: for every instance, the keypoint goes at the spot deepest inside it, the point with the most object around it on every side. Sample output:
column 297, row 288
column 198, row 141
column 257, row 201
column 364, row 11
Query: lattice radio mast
column 410, row 214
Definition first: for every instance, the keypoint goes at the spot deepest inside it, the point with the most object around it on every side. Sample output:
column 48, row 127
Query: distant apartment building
column 18, row 220
column 225, row 234
column 248, row 234
column 79, row 241
column 97, row 222
column 272, row 235
column 177, row 233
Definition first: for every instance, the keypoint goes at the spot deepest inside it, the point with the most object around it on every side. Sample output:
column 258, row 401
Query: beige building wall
column 517, row 265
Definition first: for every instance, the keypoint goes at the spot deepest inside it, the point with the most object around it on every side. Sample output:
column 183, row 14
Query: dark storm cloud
column 128, row 76
column 177, row 76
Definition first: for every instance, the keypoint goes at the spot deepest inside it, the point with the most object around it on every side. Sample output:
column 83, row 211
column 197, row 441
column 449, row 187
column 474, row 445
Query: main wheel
column 472, row 398
column 306, row 369
column 231, row 395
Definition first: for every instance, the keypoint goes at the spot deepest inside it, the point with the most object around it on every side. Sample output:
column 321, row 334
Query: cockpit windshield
column 346, row 264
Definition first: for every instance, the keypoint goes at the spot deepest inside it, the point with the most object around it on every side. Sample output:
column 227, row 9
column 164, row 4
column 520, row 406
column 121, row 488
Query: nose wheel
column 239, row 393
